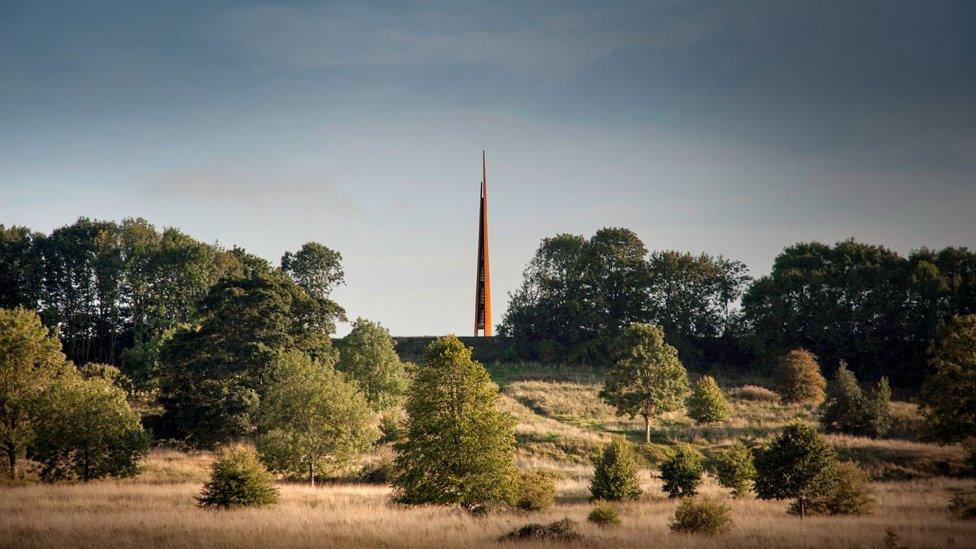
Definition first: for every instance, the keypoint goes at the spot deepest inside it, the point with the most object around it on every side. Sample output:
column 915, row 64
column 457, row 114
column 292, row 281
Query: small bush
column 537, row 492
column 735, row 469
column 846, row 493
column 963, row 505
column 377, row 471
column 615, row 477
column 238, row 478
column 560, row 530
column 604, row 514
column 969, row 444
column 682, row 473
column 701, row 515
column 798, row 377
column 707, row 402
column 757, row 394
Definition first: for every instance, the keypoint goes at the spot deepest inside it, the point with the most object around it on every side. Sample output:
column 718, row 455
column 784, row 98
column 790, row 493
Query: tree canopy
column 647, row 378
column 368, row 356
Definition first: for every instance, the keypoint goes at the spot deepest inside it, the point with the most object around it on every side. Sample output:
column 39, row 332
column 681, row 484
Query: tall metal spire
column 482, row 295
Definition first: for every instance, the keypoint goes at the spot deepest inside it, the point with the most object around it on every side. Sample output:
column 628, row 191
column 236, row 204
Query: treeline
column 114, row 290
column 860, row 303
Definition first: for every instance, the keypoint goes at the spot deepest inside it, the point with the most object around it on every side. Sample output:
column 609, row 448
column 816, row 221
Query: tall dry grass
column 112, row 514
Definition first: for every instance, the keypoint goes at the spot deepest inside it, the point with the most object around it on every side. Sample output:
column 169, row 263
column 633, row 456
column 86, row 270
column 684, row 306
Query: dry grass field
column 561, row 424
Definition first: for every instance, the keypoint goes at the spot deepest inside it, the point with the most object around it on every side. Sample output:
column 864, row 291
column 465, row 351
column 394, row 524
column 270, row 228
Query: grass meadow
column 561, row 424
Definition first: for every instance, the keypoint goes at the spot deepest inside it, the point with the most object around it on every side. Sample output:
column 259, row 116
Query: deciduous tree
column 647, row 378
column 313, row 419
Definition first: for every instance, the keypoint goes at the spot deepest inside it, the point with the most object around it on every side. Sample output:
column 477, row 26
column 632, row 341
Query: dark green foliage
column 701, row 515
column 962, row 505
column 682, row 473
column 862, row 303
column 846, row 409
column 86, row 430
column 647, row 378
column 368, row 357
column 604, row 514
column 707, row 402
column 460, row 449
column 213, row 374
column 560, row 530
column 735, row 469
column 797, row 465
column 948, row 397
column 577, row 294
column 238, row 479
column 798, row 377
column 846, row 493
column 615, row 476
column 536, row 492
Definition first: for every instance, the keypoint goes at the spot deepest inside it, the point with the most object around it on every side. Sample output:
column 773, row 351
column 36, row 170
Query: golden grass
column 113, row 514
column 561, row 425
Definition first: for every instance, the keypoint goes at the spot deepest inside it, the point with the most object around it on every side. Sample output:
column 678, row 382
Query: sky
column 733, row 128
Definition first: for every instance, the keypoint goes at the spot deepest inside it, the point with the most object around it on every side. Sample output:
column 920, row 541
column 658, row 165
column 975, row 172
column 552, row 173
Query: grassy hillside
column 561, row 424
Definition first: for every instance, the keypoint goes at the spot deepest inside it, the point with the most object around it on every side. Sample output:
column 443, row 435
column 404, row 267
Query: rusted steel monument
column 482, row 292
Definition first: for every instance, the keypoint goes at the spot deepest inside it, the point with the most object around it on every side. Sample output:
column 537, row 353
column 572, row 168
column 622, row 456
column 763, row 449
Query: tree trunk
column 12, row 462
column 311, row 472
column 647, row 429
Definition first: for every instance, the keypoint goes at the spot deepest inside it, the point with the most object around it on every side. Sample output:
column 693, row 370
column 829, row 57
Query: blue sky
column 724, row 127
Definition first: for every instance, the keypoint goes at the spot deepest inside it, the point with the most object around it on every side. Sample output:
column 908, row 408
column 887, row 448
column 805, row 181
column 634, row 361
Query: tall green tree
column 798, row 465
column 215, row 372
column 30, row 362
column 460, row 449
column 21, row 267
column 647, row 379
column 312, row 418
column 316, row 268
column 948, row 396
column 368, row 356
column 87, row 430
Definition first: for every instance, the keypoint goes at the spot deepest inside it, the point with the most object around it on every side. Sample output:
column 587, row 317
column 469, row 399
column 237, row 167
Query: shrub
column 707, row 402
column 701, row 515
column 757, row 394
column 560, row 530
column 798, row 377
column 796, row 465
column 377, row 471
column 963, row 505
column 846, row 493
column 682, row 473
column 735, row 469
column 538, row 492
column 845, row 408
column 238, row 478
column 615, row 477
column 969, row 444
column 604, row 514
